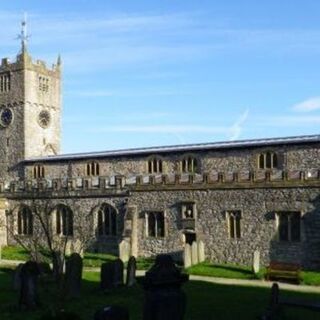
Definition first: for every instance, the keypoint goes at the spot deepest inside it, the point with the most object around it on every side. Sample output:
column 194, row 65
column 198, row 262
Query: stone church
column 235, row 196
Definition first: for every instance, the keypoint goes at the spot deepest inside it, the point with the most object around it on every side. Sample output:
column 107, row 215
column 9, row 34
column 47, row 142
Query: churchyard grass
column 90, row 259
column 205, row 300
column 221, row 271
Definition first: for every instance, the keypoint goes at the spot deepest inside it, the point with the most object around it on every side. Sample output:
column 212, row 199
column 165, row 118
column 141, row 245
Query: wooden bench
column 283, row 271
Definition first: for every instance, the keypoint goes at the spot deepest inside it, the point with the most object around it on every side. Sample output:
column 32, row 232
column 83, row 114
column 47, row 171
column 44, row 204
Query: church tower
column 30, row 109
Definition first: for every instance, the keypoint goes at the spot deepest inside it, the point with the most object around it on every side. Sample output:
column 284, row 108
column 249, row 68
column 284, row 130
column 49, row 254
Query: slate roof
column 180, row 148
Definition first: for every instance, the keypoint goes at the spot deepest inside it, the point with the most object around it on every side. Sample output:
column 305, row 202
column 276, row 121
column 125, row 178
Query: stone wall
column 289, row 158
column 258, row 226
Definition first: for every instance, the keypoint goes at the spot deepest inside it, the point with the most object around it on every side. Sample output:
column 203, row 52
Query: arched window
column 155, row 224
column 189, row 165
column 64, row 221
column 25, row 221
column 107, row 221
column 155, row 165
column 268, row 160
column 38, row 171
column 93, row 169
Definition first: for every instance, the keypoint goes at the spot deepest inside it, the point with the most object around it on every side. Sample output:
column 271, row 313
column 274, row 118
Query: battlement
column 24, row 60
column 217, row 180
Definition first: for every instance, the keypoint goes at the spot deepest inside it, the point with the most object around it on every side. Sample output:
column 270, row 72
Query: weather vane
column 24, row 36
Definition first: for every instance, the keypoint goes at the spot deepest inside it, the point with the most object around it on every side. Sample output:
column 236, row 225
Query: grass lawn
column 205, row 300
column 90, row 259
column 221, row 271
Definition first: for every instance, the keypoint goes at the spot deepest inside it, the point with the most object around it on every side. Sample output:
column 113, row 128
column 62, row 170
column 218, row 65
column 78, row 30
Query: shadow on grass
column 204, row 300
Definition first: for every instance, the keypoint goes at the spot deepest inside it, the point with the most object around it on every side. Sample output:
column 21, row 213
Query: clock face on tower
column 6, row 117
column 44, row 118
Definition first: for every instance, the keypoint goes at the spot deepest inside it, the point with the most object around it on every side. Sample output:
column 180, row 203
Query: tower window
column 155, row 224
column 189, row 165
column 43, row 84
column 38, row 172
column 107, row 221
column 234, row 224
column 25, row 221
column 268, row 160
column 93, row 168
column 64, row 221
column 5, row 82
column 154, row 165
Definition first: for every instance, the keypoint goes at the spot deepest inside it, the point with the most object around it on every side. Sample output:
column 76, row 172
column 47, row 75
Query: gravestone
column 44, row 268
column 124, row 250
column 194, row 253
column 131, row 272
column 28, row 298
column 164, row 299
column 201, row 254
column 73, row 275
column 107, row 276
column 256, row 262
column 17, row 277
column 118, row 273
column 112, row 313
column 187, row 256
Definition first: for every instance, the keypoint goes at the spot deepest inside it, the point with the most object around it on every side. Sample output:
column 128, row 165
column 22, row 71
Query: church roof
column 181, row 148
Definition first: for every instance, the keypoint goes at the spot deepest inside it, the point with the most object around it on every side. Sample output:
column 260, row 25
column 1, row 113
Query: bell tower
column 30, row 109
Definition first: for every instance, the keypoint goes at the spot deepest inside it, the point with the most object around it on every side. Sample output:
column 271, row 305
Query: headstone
column 201, row 254
column 124, row 250
column 256, row 262
column 164, row 298
column 17, row 277
column 187, row 256
column 131, row 272
column 45, row 268
column 107, row 276
column 112, row 313
column 194, row 253
column 28, row 298
column 118, row 273
column 73, row 275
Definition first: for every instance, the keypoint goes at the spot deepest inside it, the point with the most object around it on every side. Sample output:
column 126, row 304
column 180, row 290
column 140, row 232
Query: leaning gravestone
column 29, row 285
column 112, row 313
column 256, row 262
column 187, row 256
column 124, row 250
column 17, row 277
column 73, row 275
column 131, row 272
column 194, row 253
column 118, row 273
column 201, row 254
column 106, row 276
column 164, row 299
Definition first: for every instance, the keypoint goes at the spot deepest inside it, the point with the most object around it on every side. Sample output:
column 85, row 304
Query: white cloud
column 237, row 127
column 308, row 105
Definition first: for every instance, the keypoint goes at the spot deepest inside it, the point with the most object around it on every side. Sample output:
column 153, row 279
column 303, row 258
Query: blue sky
column 143, row 73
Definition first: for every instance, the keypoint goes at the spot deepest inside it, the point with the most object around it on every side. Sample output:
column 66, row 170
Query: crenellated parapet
column 120, row 184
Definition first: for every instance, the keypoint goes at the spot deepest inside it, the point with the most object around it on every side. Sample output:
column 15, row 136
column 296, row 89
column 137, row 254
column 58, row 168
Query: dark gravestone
column 44, row 268
column 164, row 299
column 106, row 276
column 131, row 272
column 118, row 273
column 73, row 275
column 112, row 313
column 17, row 277
column 29, row 284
